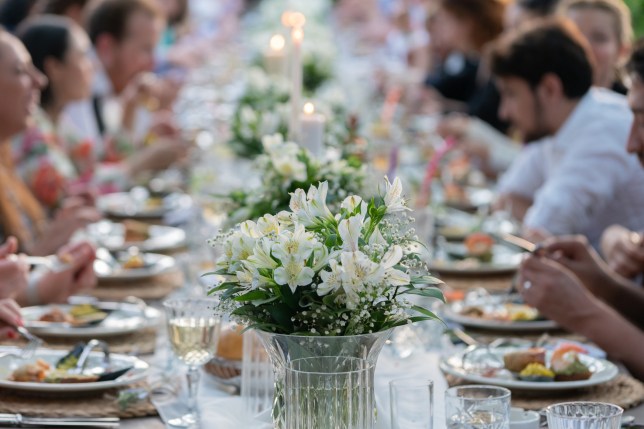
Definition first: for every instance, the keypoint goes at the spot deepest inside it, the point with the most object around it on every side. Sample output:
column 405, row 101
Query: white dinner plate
column 9, row 363
column 123, row 318
column 111, row 235
column 131, row 205
column 453, row 312
column 603, row 371
column 155, row 264
column 475, row 198
column 504, row 260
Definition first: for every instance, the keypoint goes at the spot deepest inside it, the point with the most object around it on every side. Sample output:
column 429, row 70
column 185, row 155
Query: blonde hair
column 617, row 8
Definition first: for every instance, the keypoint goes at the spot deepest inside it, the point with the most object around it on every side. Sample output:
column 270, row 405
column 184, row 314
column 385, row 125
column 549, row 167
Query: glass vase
column 324, row 382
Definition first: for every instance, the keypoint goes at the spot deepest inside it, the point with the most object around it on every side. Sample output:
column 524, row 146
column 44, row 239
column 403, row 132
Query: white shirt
column 582, row 180
column 80, row 117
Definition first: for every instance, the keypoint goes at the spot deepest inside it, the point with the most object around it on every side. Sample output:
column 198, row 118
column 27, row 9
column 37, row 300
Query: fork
column 51, row 262
column 34, row 342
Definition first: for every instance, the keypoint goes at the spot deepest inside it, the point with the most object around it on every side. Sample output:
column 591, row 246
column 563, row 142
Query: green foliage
column 637, row 10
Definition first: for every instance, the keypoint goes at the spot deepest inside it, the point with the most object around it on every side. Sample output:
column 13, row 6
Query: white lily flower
column 245, row 277
column 261, row 257
column 317, row 200
column 351, row 202
column 349, row 230
column 392, row 257
column 249, row 228
column 331, row 280
column 270, row 142
column 393, row 196
column 395, row 277
column 377, row 238
column 296, row 244
column 294, row 273
column 358, row 271
column 268, row 224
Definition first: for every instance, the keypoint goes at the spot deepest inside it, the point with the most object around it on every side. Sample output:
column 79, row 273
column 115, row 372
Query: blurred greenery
column 637, row 8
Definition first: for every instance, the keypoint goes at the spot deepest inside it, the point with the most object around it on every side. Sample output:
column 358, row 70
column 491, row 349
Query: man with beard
column 576, row 178
column 569, row 283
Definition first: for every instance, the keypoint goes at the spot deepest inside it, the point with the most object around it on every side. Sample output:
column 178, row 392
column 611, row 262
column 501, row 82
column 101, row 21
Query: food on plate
column 136, row 231
column 516, row 361
column 453, row 231
column 31, row 372
column 230, row 345
column 536, row 372
column 508, row 312
column 81, row 314
column 64, row 377
column 455, row 194
column 566, row 364
column 134, row 261
column 153, row 203
column 480, row 246
column 56, row 315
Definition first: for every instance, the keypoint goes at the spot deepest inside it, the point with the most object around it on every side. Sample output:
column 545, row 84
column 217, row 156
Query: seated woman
column 462, row 29
column 53, row 162
column 20, row 213
column 606, row 24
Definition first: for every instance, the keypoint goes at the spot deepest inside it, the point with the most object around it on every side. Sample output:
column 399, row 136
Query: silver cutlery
column 51, row 262
column 18, row 420
column 33, row 342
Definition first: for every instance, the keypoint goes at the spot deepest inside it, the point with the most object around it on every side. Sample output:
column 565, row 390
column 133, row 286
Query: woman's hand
column 75, row 214
column 56, row 287
column 9, row 317
column 13, row 273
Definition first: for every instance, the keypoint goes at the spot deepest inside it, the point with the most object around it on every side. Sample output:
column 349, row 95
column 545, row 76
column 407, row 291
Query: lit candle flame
column 309, row 108
column 297, row 34
column 277, row 42
column 293, row 19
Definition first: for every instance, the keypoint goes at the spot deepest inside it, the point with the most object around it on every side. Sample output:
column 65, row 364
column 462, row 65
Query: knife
column 20, row 421
column 520, row 242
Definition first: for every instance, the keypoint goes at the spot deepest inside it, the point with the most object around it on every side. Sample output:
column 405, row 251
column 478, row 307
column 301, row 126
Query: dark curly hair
column 635, row 64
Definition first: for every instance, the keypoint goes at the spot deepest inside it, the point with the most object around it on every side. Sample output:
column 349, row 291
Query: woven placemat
column 80, row 404
column 151, row 289
column 490, row 283
column 623, row 390
column 140, row 342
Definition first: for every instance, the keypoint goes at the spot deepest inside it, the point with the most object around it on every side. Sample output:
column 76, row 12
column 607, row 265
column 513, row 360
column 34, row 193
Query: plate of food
column 226, row 366
column 54, row 371
column 100, row 319
column 116, row 236
column 478, row 254
column 139, row 203
column 467, row 198
column 503, row 313
column 537, row 369
column 131, row 265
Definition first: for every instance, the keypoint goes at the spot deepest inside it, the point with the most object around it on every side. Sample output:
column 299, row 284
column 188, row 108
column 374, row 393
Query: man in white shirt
column 577, row 178
column 124, row 34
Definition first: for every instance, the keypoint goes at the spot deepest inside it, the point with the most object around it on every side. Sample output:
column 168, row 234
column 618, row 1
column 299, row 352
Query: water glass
column 411, row 403
column 584, row 415
column 329, row 392
column 193, row 331
column 477, row 407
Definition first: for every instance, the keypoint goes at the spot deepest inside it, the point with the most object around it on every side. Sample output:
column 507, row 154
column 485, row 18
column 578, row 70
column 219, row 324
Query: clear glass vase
column 324, row 382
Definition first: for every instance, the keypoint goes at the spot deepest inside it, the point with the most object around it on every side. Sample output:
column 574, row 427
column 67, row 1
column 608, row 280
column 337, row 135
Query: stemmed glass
column 193, row 331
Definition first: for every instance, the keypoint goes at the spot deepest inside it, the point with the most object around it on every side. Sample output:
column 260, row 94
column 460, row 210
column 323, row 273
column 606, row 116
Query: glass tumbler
column 477, row 407
column 584, row 415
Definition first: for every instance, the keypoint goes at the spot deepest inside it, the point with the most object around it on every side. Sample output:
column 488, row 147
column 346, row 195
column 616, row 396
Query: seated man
column 624, row 248
column 577, row 179
column 572, row 285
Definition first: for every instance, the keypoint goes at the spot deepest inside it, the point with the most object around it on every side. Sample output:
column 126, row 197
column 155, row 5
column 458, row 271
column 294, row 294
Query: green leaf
column 425, row 312
column 426, row 292
column 253, row 295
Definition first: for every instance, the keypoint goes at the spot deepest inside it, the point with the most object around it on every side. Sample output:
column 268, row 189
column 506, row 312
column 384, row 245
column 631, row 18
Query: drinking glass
column 584, row 415
column 193, row 331
column 477, row 407
column 411, row 403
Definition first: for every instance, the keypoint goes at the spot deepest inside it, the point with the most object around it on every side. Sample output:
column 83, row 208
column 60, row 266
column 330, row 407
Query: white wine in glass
column 193, row 331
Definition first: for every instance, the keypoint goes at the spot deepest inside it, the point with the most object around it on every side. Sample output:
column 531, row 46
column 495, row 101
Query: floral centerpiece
column 324, row 289
column 285, row 167
column 309, row 271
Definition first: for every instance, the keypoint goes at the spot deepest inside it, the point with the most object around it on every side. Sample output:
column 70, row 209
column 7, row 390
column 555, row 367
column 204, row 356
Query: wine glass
column 193, row 331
